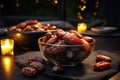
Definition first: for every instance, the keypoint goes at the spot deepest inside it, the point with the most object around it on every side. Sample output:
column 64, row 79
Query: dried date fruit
column 76, row 33
column 72, row 40
column 103, row 58
column 103, row 65
column 18, row 30
column 28, row 28
column 37, row 65
column 88, row 39
column 60, row 33
column 36, row 59
column 29, row 71
column 55, row 50
column 52, row 40
column 31, row 22
column 39, row 30
column 12, row 28
column 21, row 25
column 57, row 69
column 37, row 25
column 47, row 36
column 31, row 25
column 86, row 46
column 52, row 28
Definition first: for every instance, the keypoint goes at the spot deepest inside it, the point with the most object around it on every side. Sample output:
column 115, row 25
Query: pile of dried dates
column 37, row 65
column 32, row 25
column 68, row 47
column 103, row 63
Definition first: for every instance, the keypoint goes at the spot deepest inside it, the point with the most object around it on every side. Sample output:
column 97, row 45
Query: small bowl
column 27, row 33
column 66, row 55
column 26, row 40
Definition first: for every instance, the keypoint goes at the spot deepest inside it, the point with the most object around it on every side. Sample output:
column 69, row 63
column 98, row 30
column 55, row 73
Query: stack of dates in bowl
column 67, row 48
column 26, row 33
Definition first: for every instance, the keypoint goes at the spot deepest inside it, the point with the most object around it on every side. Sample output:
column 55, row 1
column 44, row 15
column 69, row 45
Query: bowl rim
column 39, row 42
column 28, row 32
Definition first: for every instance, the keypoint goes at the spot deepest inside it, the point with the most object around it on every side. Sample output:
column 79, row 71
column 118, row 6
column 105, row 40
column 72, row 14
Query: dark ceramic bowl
column 26, row 39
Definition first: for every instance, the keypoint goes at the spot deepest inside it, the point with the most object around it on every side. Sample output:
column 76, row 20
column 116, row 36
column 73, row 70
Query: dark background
column 108, row 11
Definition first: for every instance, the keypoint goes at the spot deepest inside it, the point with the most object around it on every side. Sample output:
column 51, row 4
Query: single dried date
column 29, row 71
column 57, row 69
column 60, row 33
column 88, row 39
column 38, row 66
column 101, row 66
column 36, row 59
column 47, row 36
column 86, row 46
column 31, row 22
column 76, row 33
column 52, row 40
column 22, row 25
column 103, row 58
column 70, row 39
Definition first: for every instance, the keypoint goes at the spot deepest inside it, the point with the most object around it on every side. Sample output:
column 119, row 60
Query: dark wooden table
column 111, row 43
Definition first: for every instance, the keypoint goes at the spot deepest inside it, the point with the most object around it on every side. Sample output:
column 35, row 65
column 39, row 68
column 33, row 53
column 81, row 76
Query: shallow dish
column 27, row 33
column 26, row 40
column 103, row 30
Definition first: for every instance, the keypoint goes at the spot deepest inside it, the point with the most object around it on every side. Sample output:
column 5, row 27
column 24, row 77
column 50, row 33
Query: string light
column 83, row 9
column 97, row 4
column 94, row 13
column 17, row 4
column 80, row 16
column 1, row 6
column 83, row 1
column 96, row 8
column 56, row 1
column 36, row 1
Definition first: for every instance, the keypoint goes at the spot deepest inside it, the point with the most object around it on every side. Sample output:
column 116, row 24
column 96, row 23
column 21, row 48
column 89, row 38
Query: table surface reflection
column 10, row 71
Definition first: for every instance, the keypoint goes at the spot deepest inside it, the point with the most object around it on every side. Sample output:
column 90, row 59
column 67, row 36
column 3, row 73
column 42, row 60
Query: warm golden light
column 84, row 1
column 1, row 6
column 7, row 46
column 95, row 13
column 18, row 35
column 97, row 2
column 81, row 27
column 17, row 4
column 80, row 17
column 37, row 1
column 56, row 1
column 7, row 64
column 83, row 8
